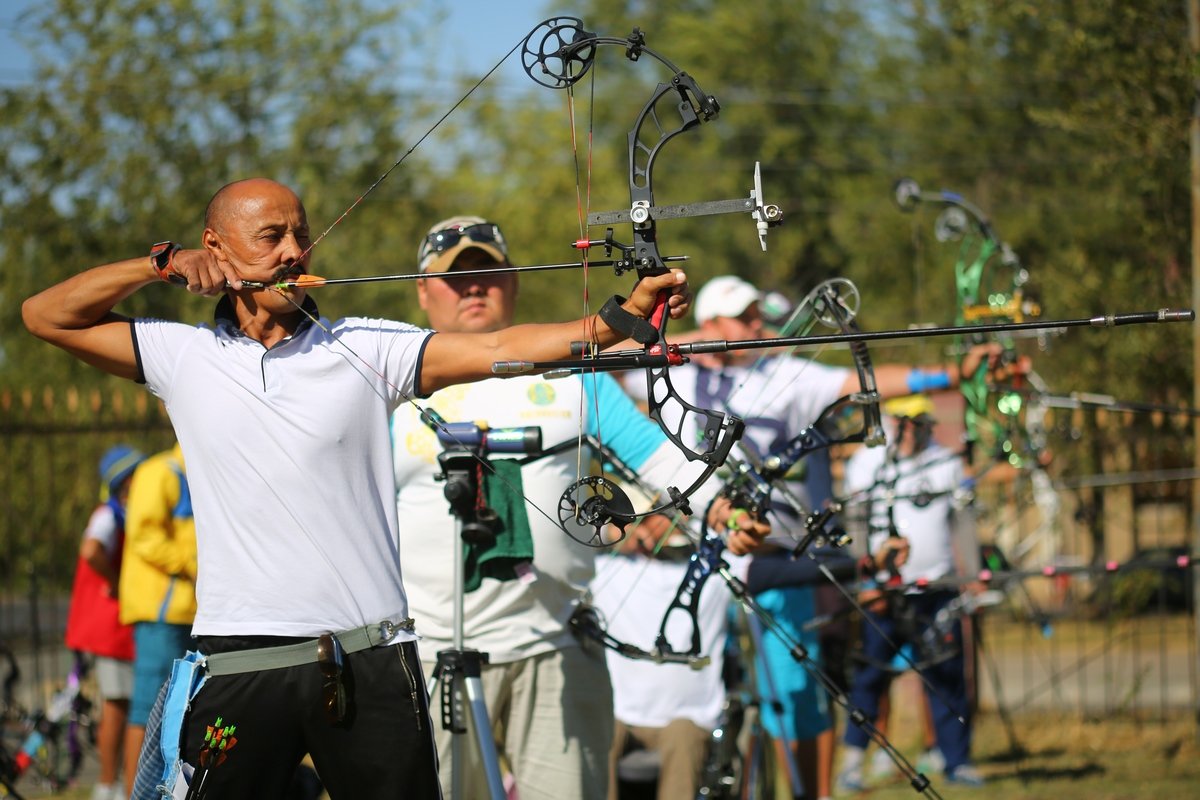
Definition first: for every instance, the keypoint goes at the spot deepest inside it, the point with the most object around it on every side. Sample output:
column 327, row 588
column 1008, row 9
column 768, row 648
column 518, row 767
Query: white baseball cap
column 726, row 296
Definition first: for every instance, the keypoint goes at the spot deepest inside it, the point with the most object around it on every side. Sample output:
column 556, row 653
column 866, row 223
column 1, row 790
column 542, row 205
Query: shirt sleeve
column 613, row 418
column 102, row 526
column 403, row 352
column 160, row 346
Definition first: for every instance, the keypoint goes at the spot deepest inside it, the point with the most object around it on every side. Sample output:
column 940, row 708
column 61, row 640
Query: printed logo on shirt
column 541, row 394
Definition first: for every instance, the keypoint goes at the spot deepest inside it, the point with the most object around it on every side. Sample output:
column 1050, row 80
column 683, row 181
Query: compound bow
column 557, row 54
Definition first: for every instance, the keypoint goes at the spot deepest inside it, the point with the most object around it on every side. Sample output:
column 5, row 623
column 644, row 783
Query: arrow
column 311, row 281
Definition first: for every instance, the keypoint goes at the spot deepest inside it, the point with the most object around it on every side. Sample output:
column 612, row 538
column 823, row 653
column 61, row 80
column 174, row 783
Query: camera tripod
column 459, row 670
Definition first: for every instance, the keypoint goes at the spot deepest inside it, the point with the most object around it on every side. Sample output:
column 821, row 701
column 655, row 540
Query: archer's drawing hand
column 203, row 273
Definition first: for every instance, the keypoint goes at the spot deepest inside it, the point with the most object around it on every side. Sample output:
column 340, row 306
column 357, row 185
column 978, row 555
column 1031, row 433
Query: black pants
column 383, row 748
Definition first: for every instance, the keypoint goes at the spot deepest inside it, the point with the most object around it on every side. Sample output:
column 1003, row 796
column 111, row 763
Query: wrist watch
column 162, row 257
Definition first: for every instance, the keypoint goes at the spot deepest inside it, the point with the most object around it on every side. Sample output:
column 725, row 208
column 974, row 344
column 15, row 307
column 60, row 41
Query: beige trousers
column 682, row 747
column 552, row 721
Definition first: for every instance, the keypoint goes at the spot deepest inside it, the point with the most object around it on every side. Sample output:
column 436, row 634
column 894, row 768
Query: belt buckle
column 387, row 629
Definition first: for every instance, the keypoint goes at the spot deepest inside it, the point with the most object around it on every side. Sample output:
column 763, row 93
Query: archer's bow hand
column 1003, row 365
column 989, row 354
column 893, row 552
column 743, row 533
column 643, row 301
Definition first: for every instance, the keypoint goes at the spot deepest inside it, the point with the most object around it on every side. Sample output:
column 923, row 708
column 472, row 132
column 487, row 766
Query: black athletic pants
column 268, row 720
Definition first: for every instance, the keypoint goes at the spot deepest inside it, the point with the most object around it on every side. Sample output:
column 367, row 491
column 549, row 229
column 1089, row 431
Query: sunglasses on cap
column 443, row 240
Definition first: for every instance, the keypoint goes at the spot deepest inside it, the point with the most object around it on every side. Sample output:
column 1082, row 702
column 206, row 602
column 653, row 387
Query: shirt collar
column 224, row 316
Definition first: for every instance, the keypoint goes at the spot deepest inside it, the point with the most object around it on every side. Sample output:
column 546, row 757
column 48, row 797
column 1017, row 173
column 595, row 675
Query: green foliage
column 142, row 109
column 1065, row 121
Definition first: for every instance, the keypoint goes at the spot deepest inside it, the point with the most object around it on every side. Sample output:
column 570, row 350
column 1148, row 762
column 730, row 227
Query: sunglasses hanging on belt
column 333, row 693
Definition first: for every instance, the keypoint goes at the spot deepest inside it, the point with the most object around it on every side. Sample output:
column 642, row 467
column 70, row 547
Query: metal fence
column 1086, row 638
column 1099, row 643
column 52, row 440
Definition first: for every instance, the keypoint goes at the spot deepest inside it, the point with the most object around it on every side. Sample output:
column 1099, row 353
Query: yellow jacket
column 158, row 569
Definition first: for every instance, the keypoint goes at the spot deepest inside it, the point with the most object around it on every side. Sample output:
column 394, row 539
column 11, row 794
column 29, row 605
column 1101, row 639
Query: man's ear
column 213, row 244
column 422, row 295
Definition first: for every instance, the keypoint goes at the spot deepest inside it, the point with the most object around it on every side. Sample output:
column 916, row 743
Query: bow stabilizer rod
column 675, row 353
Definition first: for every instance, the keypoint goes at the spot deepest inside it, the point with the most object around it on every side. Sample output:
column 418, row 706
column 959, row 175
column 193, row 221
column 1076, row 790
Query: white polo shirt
column 289, row 464
column 928, row 527
column 633, row 594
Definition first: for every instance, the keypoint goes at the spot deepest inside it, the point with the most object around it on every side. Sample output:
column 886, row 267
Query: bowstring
column 371, row 367
column 429, row 132
column 362, row 197
column 421, row 411
column 583, row 202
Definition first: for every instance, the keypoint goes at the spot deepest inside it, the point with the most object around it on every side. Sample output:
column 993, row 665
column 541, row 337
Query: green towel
column 514, row 544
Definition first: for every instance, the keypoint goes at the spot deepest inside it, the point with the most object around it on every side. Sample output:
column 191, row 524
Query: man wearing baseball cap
column 549, row 696
column 726, row 296
column 911, row 488
column 449, row 238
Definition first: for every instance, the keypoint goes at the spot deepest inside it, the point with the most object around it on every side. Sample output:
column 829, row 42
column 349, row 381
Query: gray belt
column 293, row 655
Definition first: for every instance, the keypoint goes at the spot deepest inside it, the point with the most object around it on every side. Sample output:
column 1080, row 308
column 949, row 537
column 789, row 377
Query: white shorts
column 114, row 678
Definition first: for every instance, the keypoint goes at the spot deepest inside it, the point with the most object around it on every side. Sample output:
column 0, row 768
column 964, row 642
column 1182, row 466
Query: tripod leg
column 477, row 708
column 464, row 708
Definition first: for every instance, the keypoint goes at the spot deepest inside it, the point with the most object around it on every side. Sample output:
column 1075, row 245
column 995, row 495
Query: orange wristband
column 162, row 259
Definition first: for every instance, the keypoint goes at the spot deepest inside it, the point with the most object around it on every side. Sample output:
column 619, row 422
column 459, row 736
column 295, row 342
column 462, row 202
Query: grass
column 1066, row 758
column 1061, row 757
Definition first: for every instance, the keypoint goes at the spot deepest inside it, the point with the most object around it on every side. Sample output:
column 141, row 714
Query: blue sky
column 476, row 34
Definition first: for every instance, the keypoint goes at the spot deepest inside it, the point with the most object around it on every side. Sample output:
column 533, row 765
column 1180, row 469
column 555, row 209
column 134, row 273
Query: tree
column 142, row 109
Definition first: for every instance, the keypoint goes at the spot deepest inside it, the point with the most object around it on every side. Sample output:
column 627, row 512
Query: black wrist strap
column 625, row 323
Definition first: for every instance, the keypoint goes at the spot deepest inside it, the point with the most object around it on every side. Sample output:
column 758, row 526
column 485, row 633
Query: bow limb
column 873, row 434
column 588, row 623
column 652, row 130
